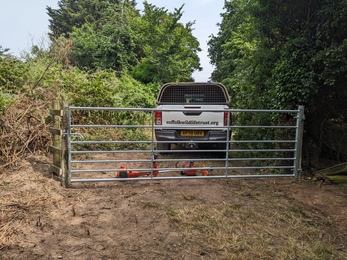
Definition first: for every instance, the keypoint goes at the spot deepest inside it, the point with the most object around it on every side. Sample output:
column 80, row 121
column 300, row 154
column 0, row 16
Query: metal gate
column 103, row 152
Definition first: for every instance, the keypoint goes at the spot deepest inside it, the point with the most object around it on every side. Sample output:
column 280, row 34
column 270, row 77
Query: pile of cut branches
column 23, row 130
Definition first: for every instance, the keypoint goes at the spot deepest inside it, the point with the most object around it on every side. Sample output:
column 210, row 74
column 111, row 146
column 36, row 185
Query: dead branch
column 19, row 134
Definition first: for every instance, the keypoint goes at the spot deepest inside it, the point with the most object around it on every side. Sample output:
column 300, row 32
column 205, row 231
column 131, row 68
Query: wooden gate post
column 59, row 144
column 56, row 132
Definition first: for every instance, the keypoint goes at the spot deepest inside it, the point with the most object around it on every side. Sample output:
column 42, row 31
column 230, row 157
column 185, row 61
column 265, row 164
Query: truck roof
column 193, row 93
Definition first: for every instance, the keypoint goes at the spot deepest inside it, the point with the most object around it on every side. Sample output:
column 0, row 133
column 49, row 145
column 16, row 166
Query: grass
column 239, row 231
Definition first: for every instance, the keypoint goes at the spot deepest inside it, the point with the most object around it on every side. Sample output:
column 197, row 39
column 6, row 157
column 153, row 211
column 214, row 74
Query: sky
column 24, row 23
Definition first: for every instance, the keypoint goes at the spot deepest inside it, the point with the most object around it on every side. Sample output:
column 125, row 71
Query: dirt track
column 141, row 220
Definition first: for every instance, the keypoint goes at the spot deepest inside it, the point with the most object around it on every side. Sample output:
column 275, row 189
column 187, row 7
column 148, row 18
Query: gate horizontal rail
column 179, row 178
column 175, row 160
column 71, row 108
column 89, row 160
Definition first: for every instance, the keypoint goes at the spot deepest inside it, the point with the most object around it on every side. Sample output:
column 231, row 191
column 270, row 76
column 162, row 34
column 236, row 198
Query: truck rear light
column 158, row 117
column 226, row 115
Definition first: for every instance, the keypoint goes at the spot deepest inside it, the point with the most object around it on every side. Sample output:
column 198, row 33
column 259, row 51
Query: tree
column 154, row 47
column 298, row 57
column 311, row 37
column 233, row 50
column 168, row 48
column 108, row 46
column 74, row 13
column 99, row 31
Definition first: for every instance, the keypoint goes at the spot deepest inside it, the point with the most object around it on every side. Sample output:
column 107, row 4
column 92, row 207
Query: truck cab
column 191, row 112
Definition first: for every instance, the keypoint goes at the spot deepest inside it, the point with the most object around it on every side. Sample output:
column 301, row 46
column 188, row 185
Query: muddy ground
column 142, row 220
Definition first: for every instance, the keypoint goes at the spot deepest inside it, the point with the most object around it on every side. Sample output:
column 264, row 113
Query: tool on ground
column 155, row 165
column 191, row 171
column 204, row 172
column 125, row 173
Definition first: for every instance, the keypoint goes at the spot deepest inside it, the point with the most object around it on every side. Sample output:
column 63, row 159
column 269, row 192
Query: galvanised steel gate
column 103, row 152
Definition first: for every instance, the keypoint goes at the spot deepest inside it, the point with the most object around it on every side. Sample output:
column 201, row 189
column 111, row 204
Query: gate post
column 65, row 179
column 298, row 144
column 56, row 132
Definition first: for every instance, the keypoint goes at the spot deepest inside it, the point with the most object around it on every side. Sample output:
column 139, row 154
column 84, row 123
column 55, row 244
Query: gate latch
column 77, row 133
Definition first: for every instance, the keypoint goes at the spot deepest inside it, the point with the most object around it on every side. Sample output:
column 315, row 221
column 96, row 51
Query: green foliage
column 5, row 100
column 233, row 52
column 99, row 32
column 106, row 44
column 13, row 73
column 89, row 89
column 289, row 87
column 137, row 94
column 232, row 49
column 104, row 89
column 281, row 54
column 168, row 48
column 47, row 76
column 71, row 13
column 154, row 47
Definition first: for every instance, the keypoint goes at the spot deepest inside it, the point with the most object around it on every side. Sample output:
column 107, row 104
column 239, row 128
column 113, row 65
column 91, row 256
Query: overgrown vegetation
column 269, row 54
column 102, row 54
column 26, row 100
column 281, row 54
column 153, row 47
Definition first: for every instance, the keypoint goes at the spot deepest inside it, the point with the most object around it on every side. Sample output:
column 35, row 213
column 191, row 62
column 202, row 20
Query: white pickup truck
column 190, row 112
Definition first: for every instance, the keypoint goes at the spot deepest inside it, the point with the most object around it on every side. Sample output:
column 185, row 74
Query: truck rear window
column 193, row 93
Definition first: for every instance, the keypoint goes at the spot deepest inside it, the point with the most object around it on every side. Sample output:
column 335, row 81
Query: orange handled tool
column 124, row 173
column 204, row 172
column 189, row 172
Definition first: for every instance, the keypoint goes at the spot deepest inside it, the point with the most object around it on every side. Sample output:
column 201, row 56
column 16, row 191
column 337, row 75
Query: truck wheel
column 163, row 147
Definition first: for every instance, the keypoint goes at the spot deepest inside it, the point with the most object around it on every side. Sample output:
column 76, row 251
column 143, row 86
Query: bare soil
column 181, row 219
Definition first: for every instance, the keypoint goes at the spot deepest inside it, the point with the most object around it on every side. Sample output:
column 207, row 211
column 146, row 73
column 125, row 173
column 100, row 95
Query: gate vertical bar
column 69, row 141
column 227, row 144
column 298, row 143
column 152, row 144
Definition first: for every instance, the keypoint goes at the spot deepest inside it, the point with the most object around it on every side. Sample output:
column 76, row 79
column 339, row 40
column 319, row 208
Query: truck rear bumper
column 174, row 135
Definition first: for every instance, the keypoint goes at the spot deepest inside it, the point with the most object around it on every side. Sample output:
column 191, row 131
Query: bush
column 13, row 74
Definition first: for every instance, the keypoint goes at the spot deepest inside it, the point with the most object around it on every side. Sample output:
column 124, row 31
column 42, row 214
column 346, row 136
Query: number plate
column 192, row 133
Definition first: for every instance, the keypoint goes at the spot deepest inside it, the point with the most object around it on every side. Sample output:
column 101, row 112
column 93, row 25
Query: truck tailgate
column 193, row 116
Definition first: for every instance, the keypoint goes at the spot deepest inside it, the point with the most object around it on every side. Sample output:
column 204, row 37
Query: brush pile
column 23, row 130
